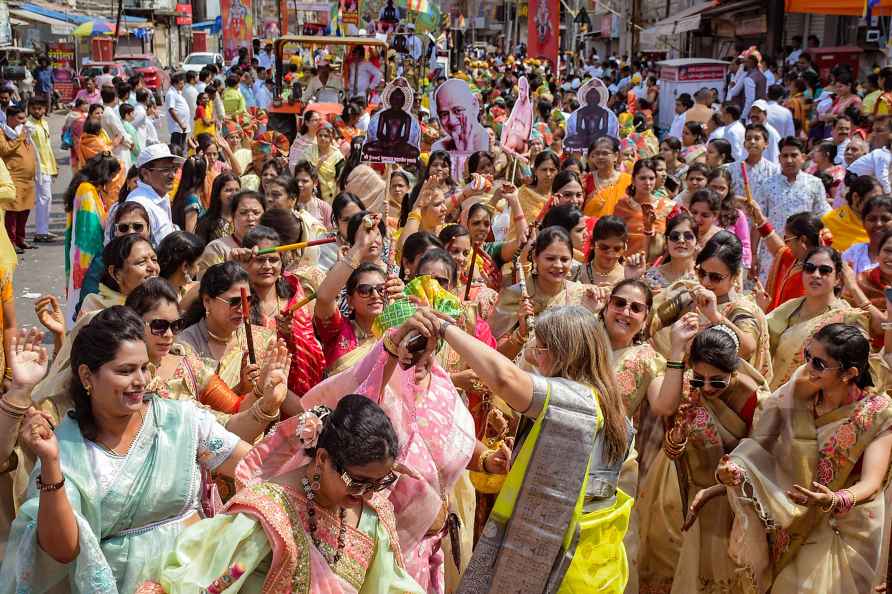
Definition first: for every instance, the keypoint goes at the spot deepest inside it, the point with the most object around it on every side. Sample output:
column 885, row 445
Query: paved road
column 43, row 270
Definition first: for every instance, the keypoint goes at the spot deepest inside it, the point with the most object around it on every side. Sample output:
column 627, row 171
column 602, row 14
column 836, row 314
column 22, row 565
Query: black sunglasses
column 677, row 236
column 817, row 363
column 232, row 302
column 699, row 382
column 823, row 269
column 359, row 487
column 159, row 327
column 714, row 277
column 621, row 303
column 365, row 290
column 124, row 228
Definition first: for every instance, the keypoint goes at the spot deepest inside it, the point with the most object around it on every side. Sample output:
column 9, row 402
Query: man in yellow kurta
column 39, row 128
column 17, row 151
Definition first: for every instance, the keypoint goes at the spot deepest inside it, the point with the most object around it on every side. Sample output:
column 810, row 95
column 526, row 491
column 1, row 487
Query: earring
column 89, row 389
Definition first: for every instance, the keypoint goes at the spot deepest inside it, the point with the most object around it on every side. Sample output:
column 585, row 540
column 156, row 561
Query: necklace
column 219, row 339
column 310, row 492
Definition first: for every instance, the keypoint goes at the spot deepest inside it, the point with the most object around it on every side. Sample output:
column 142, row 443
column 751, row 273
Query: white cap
column 410, row 26
column 761, row 105
column 154, row 152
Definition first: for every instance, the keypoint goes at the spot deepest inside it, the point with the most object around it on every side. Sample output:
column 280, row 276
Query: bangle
column 675, row 365
column 864, row 305
column 766, row 229
column 390, row 346
column 262, row 417
column 12, row 410
column 517, row 337
column 352, row 259
column 834, row 501
column 45, row 488
column 483, row 458
column 845, row 501
column 444, row 325
column 887, row 325
column 8, row 373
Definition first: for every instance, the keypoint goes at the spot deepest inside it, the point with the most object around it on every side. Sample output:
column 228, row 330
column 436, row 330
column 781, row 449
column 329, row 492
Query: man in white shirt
column 158, row 169
column 413, row 43
column 759, row 115
column 105, row 78
column 734, row 130
column 797, row 49
column 683, row 103
column 323, row 79
column 140, row 117
column 266, row 58
column 190, row 93
column 779, row 116
column 750, row 82
column 875, row 163
column 204, row 77
column 179, row 122
column 114, row 127
column 363, row 75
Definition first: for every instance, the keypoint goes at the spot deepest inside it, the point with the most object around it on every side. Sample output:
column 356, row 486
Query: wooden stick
column 296, row 246
column 514, row 171
column 471, row 272
column 748, row 192
column 299, row 304
column 246, row 317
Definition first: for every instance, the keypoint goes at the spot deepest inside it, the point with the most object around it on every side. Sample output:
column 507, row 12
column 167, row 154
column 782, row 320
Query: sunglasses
column 620, row 303
column 817, row 363
column 125, row 228
column 366, row 290
column 714, row 277
column 823, row 269
column 232, row 302
column 359, row 487
column 267, row 260
column 159, row 327
column 698, row 382
column 677, row 236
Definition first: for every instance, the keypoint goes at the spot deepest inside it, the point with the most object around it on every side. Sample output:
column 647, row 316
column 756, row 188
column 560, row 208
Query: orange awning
column 840, row 7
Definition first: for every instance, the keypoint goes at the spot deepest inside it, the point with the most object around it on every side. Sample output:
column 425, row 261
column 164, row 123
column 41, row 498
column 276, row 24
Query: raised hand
column 683, row 332
column 634, row 266
column 820, row 495
column 274, row 377
column 28, row 358
column 49, row 313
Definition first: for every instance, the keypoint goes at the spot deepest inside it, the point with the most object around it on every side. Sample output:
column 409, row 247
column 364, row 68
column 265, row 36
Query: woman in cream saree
column 807, row 487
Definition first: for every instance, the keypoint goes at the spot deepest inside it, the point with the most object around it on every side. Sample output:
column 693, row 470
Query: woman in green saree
column 559, row 521
column 121, row 475
column 807, row 487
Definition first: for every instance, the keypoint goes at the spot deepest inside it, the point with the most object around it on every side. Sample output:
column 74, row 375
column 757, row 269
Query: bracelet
column 13, row 410
column 864, row 305
column 262, row 417
column 390, row 346
column 766, row 229
column 675, row 365
column 673, row 450
column 45, row 488
column 353, row 260
column 8, row 373
column 845, row 501
column 518, row 338
column 834, row 501
column 483, row 458
column 444, row 325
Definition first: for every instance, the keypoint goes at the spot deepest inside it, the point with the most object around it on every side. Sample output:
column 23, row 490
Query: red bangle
column 766, row 229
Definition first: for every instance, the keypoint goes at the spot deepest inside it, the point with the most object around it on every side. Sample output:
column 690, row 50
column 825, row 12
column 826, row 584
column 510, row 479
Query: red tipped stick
column 246, row 310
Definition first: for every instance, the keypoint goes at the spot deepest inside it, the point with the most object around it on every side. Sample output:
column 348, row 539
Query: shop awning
column 839, row 7
column 682, row 22
column 40, row 14
column 212, row 26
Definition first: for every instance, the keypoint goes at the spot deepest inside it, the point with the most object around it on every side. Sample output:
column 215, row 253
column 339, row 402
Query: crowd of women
column 551, row 372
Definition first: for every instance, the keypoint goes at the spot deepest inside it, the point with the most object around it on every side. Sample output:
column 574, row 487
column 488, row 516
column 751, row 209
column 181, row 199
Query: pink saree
column 437, row 440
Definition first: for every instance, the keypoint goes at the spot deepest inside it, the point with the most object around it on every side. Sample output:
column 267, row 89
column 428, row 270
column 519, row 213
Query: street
column 42, row 270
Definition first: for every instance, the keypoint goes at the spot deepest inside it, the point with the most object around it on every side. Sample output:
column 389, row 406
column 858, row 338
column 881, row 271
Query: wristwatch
column 444, row 325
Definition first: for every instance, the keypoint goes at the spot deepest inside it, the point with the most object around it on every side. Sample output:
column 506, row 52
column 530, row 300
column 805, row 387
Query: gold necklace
column 219, row 339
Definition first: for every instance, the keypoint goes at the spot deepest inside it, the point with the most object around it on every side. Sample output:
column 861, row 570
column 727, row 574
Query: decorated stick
column 299, row 304
column 249, row 336
column 387, row 243
column 471, row 272
column 748, row 192
column 522, row 280
column 296, row 246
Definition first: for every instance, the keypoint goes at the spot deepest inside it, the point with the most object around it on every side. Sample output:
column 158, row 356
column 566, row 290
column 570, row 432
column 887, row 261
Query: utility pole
column 117, row 27
column 634, row 28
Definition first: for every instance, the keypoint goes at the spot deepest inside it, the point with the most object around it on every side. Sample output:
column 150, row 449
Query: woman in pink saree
column 309, row 516
column 438, row 441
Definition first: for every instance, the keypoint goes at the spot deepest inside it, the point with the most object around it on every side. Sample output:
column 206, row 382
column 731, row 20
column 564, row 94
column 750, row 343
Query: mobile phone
column 417, row 343
column 889, row 294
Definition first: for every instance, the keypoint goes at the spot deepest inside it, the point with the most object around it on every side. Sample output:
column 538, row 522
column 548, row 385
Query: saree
column 601, row 200
column 790, row 548
column 788, row 337
column 83, row 240
column 531, row 202
column 715, row 427
column 228, row 368
column 784, row 279
column 127, row 516
column 871, row 282
column 436, row 434
column 327, row 167
column 216, row 252
column 561, row 479
column 504, row 319
column 631, row 213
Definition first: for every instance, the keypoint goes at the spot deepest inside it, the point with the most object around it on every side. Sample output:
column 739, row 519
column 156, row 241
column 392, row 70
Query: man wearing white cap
column 323, row 79
column 158, row 169
column 413, row 43
column 759, row 115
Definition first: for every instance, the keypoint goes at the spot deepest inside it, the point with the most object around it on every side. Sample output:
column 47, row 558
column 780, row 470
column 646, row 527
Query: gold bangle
column 390, row 346
column 262, row 417
column 483, row 458
column 833, row 501
column 353, row 260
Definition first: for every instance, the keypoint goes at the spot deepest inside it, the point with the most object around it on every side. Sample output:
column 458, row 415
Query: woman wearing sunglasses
column 215, row 330
column 681, row 249
column 247, row 207
column 720, row 396
column 822, row 491
column 275, row 292
column 86, row 216
column 322, row 491
column 177, row 373
column 791, row 324
column 346, row 338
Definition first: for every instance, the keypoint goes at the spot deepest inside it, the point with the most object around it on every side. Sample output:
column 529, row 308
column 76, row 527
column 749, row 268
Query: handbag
column 67, row 139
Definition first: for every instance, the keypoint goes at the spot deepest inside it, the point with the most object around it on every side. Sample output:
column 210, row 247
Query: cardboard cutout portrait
column 458, row 108
column 394, row 132
column 519, row 125
column 593, row 119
